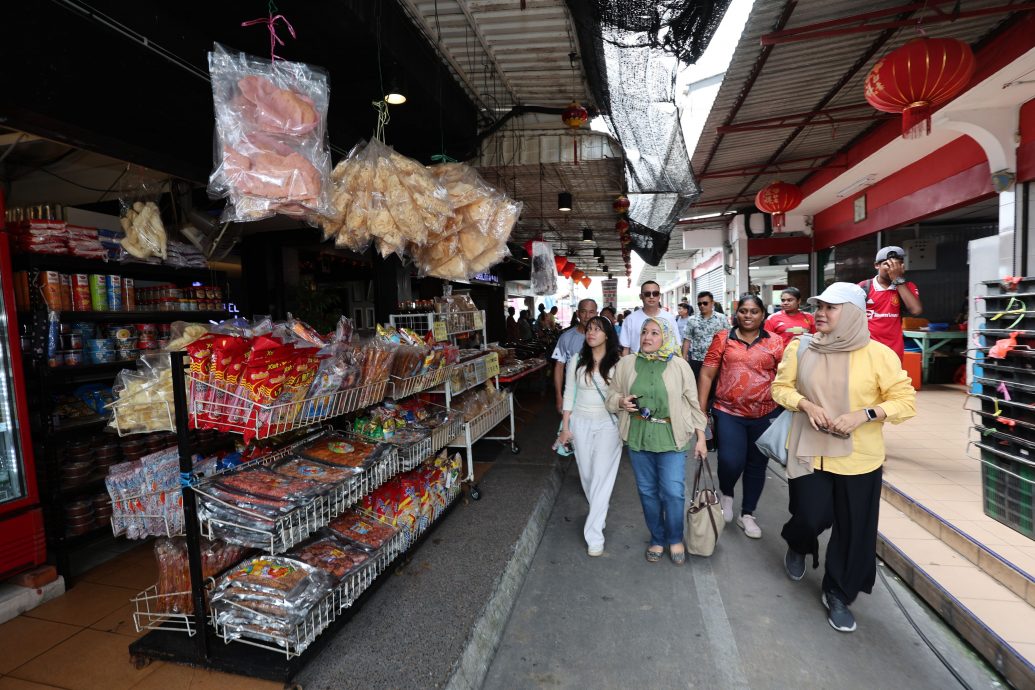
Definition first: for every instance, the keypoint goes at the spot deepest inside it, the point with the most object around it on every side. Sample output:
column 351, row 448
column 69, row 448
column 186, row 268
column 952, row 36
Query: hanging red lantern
column 577, row 275
column 917, row 78
column 559, row 261
column 778, row 198
column 586, row 280
column 575, row 116
column 568, row 269
column 528, row 248
column 622, row 225
column 621, row 205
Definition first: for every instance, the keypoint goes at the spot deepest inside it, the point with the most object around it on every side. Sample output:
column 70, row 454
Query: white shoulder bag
column 773, row 441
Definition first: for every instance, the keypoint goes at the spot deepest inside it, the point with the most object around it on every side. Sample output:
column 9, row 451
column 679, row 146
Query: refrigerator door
column 17, row 473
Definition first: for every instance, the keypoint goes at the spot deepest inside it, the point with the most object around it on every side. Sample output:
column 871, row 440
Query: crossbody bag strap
column 603, row 398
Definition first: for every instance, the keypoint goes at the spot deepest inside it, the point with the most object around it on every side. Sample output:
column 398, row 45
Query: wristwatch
column 898, row 281
column 871, row 414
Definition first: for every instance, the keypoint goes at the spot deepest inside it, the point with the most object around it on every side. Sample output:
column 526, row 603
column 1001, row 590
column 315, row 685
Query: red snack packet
column 200, row 353
column 229, row 354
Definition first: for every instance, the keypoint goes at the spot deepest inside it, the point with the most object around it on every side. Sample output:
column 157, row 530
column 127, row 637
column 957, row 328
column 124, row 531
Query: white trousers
column 598, row 449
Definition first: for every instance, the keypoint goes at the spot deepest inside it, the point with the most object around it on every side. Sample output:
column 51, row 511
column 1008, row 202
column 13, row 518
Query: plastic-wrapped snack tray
column 265, row 483
column 314, row 471
column 362, row 530
column 282, row 577
column 340, row 450
column 268, row 507
column 332, row 556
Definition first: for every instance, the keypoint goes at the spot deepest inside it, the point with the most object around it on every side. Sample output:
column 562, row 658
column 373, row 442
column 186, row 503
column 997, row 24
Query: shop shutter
column 714, row 282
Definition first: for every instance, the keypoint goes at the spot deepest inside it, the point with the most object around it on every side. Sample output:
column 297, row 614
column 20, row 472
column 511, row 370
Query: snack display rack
column 1003, row 432
column 413, row 454
column 403, row 388
column 274, row 656
column 444, row 326
column 476, row 430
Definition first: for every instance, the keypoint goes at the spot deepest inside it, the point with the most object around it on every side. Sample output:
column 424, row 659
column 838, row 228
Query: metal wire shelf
column 152, row 611
column 213, row 407
column 403, row 388
column 413, row 454
column 343, row 596
column 223, row 520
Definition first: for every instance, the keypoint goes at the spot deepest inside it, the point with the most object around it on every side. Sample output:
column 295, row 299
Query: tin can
column 73, row 358
column 113, row 286
column 98, row 292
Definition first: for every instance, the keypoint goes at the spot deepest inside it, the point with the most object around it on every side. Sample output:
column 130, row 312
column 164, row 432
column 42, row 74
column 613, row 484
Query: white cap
column 842, row 293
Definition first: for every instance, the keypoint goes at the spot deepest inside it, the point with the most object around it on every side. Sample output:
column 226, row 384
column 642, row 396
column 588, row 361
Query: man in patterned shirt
column 701, row 329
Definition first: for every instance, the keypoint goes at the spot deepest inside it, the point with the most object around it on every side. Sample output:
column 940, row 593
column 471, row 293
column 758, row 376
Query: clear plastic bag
column 272, row 153
column 141, row 220
column 544, row 270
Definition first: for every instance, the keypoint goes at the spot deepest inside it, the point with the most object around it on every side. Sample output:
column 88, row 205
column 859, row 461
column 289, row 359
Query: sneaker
column 750, row 526
column 838, row 615
column 726, row 502
column 595, row 551
column 794, row 564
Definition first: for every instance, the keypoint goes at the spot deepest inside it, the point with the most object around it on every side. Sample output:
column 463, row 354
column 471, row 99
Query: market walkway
column 733, row 620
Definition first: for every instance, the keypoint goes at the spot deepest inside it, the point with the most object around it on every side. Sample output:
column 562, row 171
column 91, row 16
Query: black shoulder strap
column 866, row 285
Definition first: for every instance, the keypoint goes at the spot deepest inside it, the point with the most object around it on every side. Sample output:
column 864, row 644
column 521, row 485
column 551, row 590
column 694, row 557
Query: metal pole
column 191, row 526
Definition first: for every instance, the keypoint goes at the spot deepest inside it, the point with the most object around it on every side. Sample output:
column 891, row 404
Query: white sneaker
column 727, row 508
column 595, row 551
column 750, row 526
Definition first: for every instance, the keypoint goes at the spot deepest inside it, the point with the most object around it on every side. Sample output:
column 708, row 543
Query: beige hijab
column 823, row 380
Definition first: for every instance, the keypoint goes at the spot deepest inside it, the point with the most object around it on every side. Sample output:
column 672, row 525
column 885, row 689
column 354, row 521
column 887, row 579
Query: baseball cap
column 842, row 293
column 884, row 253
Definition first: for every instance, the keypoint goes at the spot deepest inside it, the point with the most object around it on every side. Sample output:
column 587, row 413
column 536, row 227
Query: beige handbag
column 704, row 521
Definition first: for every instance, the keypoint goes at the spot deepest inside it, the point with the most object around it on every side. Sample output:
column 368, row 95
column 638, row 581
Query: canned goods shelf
column 141, row 316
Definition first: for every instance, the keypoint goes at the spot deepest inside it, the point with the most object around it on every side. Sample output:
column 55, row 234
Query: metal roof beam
column 764, row 167
column 858, row 23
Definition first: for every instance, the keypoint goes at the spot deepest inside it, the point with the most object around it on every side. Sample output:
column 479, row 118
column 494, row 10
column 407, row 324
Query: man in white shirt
column 569, row 345
column 650, row 295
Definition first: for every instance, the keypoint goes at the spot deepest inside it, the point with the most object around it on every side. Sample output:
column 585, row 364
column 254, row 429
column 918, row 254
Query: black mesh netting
column 634, row 51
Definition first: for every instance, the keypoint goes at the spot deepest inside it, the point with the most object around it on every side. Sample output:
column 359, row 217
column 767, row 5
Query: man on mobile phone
column 887, row 294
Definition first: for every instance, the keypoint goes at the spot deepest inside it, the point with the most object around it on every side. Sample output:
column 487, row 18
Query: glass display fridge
column 22, row 537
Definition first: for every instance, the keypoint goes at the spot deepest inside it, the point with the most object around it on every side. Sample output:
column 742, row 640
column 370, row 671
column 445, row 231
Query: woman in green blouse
column 654, row 394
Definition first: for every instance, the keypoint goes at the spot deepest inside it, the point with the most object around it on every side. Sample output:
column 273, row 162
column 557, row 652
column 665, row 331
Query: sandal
column 654, row 556
column 679, row 558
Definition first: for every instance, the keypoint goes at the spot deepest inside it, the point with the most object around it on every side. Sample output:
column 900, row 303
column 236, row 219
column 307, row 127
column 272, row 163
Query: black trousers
column 848, row 505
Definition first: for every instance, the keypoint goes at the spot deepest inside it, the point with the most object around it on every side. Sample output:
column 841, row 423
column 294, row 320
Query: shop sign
column 486, row 278
column 438, row 331
column 859, row 208
column 478, row 323
column 610, row 288
column 492, row 365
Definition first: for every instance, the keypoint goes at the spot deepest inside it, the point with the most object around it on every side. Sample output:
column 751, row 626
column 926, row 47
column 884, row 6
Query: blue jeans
column 661, row 481
column 738, row 455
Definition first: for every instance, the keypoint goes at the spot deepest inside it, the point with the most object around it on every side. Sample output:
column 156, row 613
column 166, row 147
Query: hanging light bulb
column 564, row 201
column 394, row 93
column 597, row 253
column 604, row 268
column 587, row 234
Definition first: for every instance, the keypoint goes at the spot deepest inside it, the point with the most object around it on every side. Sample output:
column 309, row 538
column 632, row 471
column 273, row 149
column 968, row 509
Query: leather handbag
column 704, row 521
column 773, row 441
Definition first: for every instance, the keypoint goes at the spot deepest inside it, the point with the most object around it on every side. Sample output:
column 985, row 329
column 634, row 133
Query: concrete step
column 1014, row 577
column 994, row 618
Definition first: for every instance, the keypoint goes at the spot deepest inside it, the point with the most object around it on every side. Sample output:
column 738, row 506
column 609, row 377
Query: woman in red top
column 744, row 359
column 791, row 322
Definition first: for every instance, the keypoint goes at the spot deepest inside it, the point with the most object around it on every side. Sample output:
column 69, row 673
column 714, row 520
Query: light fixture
column 610, row 277
column 604, row 268
column 394, row 93
column 600, row 260
column 858, row 185
column 587, row 234
column 564, row 201
column 597, row 253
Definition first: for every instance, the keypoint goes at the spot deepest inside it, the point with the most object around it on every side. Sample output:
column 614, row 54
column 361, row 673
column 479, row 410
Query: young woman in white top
column 592, row 430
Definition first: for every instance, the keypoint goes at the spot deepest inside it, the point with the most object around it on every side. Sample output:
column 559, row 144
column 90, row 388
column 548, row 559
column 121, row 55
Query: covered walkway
column 734, row 620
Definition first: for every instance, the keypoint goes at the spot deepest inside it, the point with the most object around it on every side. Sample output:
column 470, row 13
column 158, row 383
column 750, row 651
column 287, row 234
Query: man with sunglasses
column 701, row 329
column 650, row 295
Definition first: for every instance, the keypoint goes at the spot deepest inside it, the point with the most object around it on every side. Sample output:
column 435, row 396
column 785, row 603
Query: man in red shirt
column 886, row 295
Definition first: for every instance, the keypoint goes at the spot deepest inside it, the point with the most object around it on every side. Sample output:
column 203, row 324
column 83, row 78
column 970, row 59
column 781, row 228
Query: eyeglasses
column 652, row 293
column 703, row 304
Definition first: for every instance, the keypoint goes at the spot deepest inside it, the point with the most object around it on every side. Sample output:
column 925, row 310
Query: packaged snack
column 337, row 449
column 364, row 531
column 314, row 471
column 265, row 483
column 334, row 557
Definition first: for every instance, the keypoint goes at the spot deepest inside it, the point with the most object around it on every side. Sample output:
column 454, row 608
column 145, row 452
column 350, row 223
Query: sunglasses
column 703, row 304
column 651, row 293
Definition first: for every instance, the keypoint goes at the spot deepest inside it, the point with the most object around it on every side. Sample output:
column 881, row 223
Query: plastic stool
column 912, row 362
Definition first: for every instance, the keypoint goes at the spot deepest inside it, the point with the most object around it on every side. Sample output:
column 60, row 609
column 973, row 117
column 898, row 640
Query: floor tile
column 176, row 677
column 84, row 604
column 949, row 491
column 24, row 638
column 967, row 582
column 1011, row 620
column 119, row 621
column 1027, row 650
column 9, row 683
column 129, row 570
column 89, row 660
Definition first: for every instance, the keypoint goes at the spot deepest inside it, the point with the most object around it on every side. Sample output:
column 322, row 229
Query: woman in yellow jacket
column 845, row 386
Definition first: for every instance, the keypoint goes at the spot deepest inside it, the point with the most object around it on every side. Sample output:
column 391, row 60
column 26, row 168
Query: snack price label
column 438, row 330
column 492, row 365
column 478, row 321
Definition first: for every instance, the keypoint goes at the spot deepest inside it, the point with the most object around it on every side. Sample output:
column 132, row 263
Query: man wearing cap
column 886, row 295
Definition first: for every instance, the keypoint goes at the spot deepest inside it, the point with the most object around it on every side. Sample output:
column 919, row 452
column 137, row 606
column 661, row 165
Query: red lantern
column 586, row 280
column 575, row 116
column 559, row 261
column 568, row 269
column 622, row 225
column 577, row 275
column 778, row 198
column 917, row 78
column 528, row 248
column 621, row 205
column 626, row 240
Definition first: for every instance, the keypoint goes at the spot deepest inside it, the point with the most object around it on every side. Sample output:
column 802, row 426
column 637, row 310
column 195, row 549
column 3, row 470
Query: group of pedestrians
column 636, row 389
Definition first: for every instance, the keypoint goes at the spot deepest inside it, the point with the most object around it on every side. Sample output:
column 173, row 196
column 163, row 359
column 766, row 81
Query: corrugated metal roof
column 504, row 55
column 795, row 78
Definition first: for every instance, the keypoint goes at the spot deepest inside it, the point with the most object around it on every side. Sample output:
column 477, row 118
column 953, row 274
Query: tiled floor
column 80, row 641
column 927, row 461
